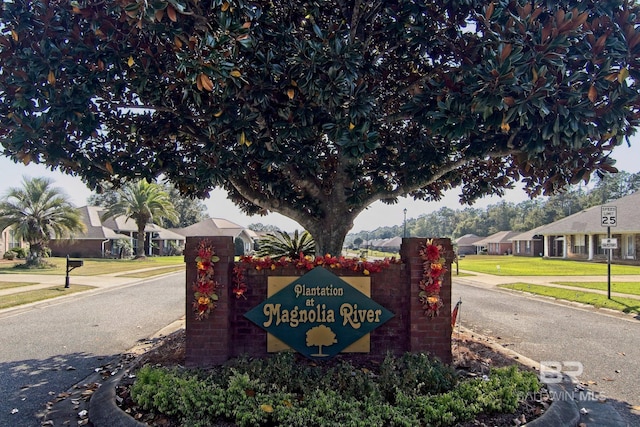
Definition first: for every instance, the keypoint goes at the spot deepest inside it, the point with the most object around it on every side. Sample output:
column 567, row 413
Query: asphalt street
column 600, row 347
column 51, row 346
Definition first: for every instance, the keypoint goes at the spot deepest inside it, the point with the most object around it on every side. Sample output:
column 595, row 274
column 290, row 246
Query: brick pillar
column 429, row 335
column 208, row 340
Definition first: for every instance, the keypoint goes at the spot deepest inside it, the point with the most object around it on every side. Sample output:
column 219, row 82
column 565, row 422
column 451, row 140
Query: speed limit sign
column 609, row 216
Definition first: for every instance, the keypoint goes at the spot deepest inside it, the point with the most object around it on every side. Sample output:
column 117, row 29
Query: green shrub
column 282, row 390
column 9, row 255
column 21, row 253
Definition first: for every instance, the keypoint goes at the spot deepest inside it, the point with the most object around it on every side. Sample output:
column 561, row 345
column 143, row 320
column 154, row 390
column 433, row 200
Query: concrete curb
column 103, row 410
column 562, row 412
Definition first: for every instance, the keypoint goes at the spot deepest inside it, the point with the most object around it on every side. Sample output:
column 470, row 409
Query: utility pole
column 404, row 234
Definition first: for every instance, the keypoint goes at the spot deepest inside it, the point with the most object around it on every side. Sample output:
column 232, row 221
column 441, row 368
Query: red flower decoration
column 431, row 282
column 307, row 262
column 205, row 288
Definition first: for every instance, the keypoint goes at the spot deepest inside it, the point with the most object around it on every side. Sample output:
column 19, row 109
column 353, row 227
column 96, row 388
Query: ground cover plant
column 501, row 265
column 626, row 305
column 286, row 390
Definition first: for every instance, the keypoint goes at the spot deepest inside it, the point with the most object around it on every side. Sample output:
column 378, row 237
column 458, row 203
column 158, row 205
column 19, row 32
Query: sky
column 218, row 206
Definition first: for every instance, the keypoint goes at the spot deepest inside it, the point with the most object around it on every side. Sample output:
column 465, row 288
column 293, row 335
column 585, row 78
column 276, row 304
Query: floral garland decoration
column 205, row 288
column 433, row 270
column 306, row 262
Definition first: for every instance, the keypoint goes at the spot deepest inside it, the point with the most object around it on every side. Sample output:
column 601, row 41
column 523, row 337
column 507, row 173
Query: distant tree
column 317, row 109
column 108, row 196
column 357, row 241
column 188, row 209
column 38, row 212
column 499, row 216
column 613, row 187
column 278, row 244
column 262, row 227
column 143, row 203
column 528, row 215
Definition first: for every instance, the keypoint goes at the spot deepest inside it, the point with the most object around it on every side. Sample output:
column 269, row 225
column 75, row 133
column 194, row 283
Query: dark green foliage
column 284, row 390
column 279, row 244
column 318, row 109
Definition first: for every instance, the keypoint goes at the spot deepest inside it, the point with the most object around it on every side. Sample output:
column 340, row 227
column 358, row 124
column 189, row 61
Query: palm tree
column 143, row 203
column 38, row 212
column 279, row 244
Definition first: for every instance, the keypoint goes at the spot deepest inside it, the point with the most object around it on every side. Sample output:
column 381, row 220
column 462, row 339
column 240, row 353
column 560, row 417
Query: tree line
column 503, row 216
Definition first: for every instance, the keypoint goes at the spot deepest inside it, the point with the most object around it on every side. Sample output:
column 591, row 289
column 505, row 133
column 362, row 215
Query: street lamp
column 404, row 234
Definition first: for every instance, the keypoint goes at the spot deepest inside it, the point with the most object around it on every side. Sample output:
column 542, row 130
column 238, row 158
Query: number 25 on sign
column 609, row 216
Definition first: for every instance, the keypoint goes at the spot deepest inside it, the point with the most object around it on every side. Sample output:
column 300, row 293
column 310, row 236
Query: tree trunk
column 140, row 253
column 329, row 233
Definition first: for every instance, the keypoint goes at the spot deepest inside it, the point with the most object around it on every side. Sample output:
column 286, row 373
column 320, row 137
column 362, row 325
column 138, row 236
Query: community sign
column 319, row 314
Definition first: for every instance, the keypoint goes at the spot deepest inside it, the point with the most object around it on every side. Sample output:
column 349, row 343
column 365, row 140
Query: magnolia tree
column 317, row 109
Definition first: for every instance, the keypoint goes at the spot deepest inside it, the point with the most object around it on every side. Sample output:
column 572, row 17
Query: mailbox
column 71, row 264
column 74, row 263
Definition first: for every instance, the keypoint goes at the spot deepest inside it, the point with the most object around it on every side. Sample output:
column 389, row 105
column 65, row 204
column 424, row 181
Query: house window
column 630, row 246
column 528, row 246
column 579, row 244
column 13, row 242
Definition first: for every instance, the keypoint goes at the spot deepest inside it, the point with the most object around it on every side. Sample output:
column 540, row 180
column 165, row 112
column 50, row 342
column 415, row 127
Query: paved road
column 607, row 346
column 54, row 345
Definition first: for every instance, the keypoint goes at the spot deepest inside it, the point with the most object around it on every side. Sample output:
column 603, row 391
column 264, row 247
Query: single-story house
column 581, row 235
column 465, row 244
column 496, row 244
column 529, row 243
column 220, row 227
column 391, row 245
column 101, row 238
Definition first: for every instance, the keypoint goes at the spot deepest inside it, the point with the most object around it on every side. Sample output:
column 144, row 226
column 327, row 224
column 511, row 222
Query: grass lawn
column 626, row 305
column 502, row 265
column 40, row 295
column 632, row 288
column 9, row 285
column 97, row 266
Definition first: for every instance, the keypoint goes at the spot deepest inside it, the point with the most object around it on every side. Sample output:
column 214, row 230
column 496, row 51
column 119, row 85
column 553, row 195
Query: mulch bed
column 473, row 356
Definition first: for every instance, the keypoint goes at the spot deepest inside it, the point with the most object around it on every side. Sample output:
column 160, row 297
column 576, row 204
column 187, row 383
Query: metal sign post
column 609, row 218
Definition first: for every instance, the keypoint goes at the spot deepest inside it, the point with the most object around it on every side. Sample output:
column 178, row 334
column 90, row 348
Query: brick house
column 580, row 236
column 100, row 240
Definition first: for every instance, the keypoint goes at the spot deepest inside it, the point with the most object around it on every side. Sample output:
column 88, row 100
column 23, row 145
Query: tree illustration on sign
column 320, row 336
